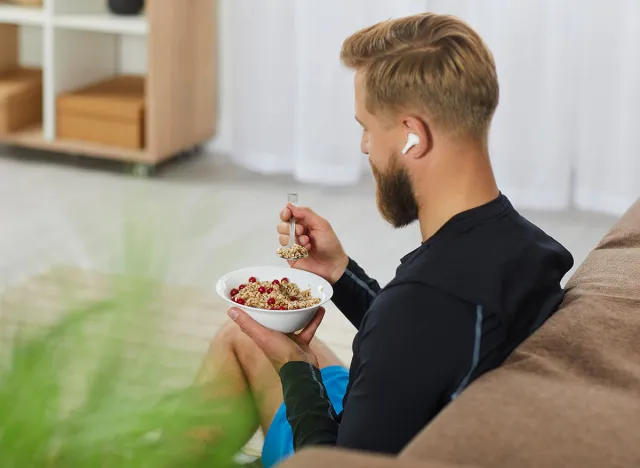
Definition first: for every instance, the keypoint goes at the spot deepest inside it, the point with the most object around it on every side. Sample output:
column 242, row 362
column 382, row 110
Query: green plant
column 88, row 390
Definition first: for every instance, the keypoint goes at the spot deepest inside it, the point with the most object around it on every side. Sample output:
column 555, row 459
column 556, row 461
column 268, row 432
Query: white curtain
column 608, row 109
column 292, row 102
column 570, row 88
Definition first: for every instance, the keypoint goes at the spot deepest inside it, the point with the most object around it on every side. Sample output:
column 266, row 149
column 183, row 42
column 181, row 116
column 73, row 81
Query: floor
column 205, row 216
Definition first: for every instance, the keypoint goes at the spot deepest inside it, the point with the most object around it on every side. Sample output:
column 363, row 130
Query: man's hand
column 279, row 347
column 326, row 258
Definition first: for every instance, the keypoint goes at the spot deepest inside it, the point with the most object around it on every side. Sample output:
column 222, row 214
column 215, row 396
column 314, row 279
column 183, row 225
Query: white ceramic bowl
column 286, row 321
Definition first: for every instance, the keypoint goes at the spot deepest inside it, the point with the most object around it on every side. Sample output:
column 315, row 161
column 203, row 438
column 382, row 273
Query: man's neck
column 457, row 182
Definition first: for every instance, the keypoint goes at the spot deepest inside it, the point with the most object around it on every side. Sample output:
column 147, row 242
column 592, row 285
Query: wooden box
column 31, row 3
column 20, row 99
column 111, row 113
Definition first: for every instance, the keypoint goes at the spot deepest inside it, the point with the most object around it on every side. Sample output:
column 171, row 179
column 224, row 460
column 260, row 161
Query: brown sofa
column 568, row 397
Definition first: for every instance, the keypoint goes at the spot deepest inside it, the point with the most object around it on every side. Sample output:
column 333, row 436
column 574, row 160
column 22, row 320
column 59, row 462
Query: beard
column 394, row 194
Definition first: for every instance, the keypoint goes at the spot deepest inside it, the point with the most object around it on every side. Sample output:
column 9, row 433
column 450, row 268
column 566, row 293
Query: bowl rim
column 282, row 312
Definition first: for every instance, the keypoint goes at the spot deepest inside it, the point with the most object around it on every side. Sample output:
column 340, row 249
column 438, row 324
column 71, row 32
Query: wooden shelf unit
column 80, row 45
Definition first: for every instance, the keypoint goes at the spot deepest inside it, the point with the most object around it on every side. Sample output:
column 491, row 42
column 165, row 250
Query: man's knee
column 227, row 335
column 234, row 340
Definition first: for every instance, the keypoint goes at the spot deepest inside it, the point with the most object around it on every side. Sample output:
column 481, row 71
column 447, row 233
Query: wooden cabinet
column 81, row 44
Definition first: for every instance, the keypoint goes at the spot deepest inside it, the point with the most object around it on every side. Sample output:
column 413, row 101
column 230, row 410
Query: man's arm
column 354, row 293
column 309, row 410
column 416, row 348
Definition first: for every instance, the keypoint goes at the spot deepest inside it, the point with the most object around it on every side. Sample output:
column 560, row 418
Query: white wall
column 133, row 54
column 31, row 46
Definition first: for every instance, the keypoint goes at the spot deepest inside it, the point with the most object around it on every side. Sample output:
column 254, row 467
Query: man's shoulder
column 503, row 257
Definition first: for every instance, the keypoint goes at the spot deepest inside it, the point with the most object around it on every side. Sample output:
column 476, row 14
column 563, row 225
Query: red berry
column 284, row 280
column 275, row 282
column 272, row 308
column 262, row 290
column 293, row 298
column 240, row 301
column 283, row 308
column 234, row 291
column 271, row 301
column 269, row 291
column 242, row 286
column 252, row 279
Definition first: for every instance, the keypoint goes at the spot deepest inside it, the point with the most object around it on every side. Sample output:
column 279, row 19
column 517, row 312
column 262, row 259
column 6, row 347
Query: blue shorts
column 278, row 443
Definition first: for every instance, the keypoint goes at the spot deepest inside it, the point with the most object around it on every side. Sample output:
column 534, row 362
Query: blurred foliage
column 87, row 391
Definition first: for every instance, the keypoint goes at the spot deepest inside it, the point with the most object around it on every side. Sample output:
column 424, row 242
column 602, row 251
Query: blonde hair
column 428, row 63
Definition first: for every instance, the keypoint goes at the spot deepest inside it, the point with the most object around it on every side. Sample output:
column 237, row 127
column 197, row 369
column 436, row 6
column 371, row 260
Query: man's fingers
column 278, row 347
column 283, row 228
column 305, row 216
column 285, row 215
column 259, row 334
column 302, row 240
column 309, row 331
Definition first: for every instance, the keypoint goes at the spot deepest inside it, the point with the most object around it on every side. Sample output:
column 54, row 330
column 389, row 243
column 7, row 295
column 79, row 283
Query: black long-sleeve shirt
column 458, row 306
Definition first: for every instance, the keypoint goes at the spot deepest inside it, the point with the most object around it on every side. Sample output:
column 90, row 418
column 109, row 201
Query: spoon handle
column 293, row 199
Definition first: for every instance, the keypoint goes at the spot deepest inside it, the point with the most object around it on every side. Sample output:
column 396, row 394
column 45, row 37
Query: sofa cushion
column 334, row 458
column 570, row 395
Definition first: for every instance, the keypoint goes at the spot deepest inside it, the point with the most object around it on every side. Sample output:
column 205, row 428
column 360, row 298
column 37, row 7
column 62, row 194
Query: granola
column 292, row 253
column 273, row 295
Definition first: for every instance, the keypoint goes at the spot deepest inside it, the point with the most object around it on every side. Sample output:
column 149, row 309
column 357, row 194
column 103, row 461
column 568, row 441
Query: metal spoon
column 293, row 199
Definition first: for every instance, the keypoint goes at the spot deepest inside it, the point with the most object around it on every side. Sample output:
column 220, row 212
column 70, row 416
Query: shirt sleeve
column 309, row 410
column 354, row 293
column 416, row 347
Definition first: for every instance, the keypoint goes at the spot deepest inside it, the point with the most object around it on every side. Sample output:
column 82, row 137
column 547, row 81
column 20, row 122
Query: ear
column 417, row 126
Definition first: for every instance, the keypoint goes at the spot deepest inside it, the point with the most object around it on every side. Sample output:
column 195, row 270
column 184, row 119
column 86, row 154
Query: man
column 482, row 280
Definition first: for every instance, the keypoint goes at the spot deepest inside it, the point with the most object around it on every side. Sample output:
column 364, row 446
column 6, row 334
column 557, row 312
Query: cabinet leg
column 142, row 170
column 189, row 152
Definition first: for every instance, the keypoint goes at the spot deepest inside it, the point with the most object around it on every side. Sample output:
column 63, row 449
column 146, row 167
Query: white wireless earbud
column 412, row 140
